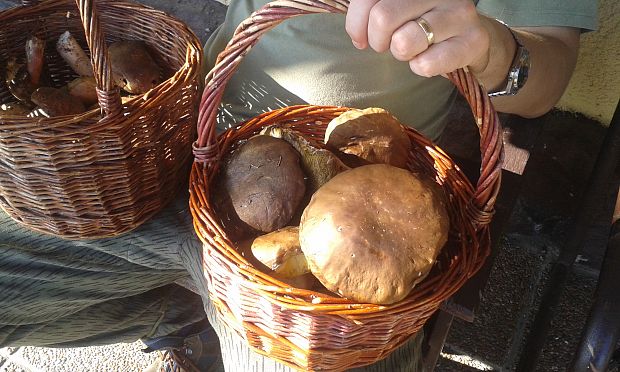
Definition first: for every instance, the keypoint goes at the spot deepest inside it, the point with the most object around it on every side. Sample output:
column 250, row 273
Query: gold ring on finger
column 428, row 31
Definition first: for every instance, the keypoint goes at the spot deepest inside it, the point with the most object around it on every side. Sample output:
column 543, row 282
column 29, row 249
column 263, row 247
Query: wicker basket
column 103, row 172
column 302, row 328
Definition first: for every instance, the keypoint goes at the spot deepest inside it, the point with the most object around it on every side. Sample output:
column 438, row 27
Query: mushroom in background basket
column 18, row 80
column 259, row 187
column 73, row 54
column 56, row 102
column 84, row 89
column 14, row 109
column 35, row 52
column 22, row 79
column 372, row 134
column 133, row 68
column 372, row 233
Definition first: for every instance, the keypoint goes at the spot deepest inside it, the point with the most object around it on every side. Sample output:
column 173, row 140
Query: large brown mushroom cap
column 260, row 186
column 372, row 134
column 373, row 232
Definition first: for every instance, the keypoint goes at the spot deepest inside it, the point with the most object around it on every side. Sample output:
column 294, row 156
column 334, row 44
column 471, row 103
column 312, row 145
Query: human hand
column 460, row 37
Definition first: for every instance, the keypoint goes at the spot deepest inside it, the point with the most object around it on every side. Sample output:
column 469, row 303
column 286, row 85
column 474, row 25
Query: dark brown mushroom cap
column 260, row 186
column 319, row 165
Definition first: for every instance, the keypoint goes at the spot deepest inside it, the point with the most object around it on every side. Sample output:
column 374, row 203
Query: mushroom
column 259, row 187
column 278, row 254
column 133, row 68
column 319, row 165
column 14, row 109
column 372, row 134
column 84, row 89
column 18, row 80
column 372, row 233
column 35, row 49
column 73, row 54
column 281, row 252
column 56, row 102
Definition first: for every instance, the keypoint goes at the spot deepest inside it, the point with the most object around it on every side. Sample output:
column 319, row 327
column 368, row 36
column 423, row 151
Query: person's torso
column 310, row 59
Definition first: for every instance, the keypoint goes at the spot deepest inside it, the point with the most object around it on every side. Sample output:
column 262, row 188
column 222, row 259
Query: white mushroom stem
column 71, row 51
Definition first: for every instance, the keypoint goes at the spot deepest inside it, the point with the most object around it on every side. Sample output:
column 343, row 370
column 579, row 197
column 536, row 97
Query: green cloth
column 56, row 292
column 310, row 59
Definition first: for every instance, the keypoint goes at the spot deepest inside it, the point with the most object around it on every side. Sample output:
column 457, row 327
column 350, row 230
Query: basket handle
column 108, row 94
column 247, row 34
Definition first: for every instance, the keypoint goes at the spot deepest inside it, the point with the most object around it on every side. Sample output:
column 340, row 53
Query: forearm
column 553, row 54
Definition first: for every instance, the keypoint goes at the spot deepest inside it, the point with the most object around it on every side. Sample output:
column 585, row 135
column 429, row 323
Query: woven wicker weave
column 302, row 328
column 95, row 175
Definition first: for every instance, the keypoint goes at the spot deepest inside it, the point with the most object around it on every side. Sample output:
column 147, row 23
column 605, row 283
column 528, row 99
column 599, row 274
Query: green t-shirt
column 310, row 59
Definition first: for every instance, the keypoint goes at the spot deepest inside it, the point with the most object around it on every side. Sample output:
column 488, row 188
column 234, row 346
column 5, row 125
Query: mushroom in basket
column 373, row 232
column 259, row 187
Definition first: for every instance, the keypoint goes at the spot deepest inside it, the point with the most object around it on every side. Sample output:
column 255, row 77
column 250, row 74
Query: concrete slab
column 457, row 361
column 112, row 358
column 116, row 357
column 494, row 336
column 14, row 368
column 13, row 361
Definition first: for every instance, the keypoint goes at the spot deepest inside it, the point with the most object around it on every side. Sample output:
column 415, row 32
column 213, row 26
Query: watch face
column 524, row 68
column 517, row 76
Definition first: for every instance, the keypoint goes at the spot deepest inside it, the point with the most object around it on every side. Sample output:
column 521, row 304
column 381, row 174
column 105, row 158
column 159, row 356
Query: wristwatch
column 519, row 70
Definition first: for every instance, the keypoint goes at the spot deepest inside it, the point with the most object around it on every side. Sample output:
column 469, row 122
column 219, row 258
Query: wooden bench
column 602, row 330
column 597, row 347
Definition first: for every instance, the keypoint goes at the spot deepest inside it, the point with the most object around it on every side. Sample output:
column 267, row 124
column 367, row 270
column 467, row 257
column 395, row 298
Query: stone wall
column 595, row 87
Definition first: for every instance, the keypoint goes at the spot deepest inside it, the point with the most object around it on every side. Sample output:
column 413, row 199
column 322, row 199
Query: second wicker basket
column 102, row 172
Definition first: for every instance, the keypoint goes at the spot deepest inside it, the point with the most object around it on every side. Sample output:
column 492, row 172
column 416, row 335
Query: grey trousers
column 61, row 293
